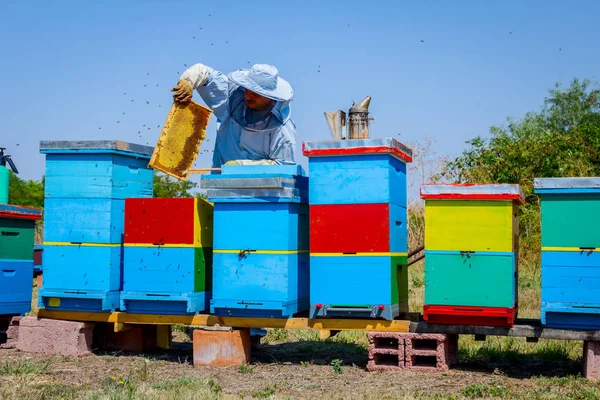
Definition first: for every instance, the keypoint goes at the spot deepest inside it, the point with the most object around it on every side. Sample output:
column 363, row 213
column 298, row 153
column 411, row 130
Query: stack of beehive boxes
column 167, row 256
column 17, row 230
column 261, row 262
column 471, row 252
column 358, row 232
column 570, row 257
column 87, row 183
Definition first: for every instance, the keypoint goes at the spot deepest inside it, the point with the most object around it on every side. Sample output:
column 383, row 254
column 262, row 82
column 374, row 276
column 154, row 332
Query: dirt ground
column 301, row 369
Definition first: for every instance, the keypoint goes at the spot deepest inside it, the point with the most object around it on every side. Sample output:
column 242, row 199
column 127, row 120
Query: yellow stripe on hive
column 261, row 251
column 567, row 249
column 82, row 244
column 373, row 254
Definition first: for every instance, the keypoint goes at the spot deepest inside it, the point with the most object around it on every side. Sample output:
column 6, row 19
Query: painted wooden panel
column 97, row 176
column 357, row 180
column 358, row 280
column 570, row 316
column 83, row 220
column 571, row 278
column 357, row 228
column 264, row 226
column 82, row 267
column 258, row 281
column 480, row 279
column 471, row 225
column 15, row 286
column 169, row 221
column 16, row 238
column 577, row 214
column 166, row 269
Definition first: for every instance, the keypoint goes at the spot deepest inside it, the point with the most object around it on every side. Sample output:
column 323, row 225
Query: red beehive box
column 357, row 228
column 165, row 221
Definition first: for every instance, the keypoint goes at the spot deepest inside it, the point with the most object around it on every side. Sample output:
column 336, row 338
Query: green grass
column 246, row 369
column 21, row 367
column 265, row 393
column 484, row 390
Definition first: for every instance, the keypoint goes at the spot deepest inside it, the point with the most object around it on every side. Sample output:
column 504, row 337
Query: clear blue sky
column 447, row 70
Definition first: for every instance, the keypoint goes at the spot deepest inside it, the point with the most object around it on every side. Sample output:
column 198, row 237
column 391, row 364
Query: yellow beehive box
column 180, row 139
column 478, row 218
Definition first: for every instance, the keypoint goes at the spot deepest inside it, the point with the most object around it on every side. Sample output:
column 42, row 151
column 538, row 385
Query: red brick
column 221, row 348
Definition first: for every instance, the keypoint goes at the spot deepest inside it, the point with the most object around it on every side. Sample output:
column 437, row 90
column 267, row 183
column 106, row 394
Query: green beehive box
column 570, row 212
column 17, row 231
column 478, row 280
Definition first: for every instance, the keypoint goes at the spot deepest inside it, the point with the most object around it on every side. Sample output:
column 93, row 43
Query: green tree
column 26, row 192
column 165, row 186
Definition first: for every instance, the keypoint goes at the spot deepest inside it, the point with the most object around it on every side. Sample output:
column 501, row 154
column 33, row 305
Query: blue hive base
column 70, row 300
column 390, row 311
column 164, row 303
column 257, row 309
column 570, row 317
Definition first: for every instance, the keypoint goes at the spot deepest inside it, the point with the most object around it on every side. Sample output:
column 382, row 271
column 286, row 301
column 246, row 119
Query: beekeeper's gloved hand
column 251, row 162
column 183, row 92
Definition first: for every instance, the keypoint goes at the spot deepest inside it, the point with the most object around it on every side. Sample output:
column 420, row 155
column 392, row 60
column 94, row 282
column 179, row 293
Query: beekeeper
column 252, row 108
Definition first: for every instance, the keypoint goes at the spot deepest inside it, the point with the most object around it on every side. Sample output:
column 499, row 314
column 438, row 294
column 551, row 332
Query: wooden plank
column 202, row 170
column 522, row 328
column 78, row 316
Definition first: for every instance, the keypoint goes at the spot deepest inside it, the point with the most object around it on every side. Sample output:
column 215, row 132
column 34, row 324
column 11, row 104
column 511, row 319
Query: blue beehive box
column 165, row 280
column 86, row 184
column 260, row 248
column 570, row 259
column 358, row 171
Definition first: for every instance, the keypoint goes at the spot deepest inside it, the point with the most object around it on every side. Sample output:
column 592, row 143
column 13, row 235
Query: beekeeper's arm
column 212, row 86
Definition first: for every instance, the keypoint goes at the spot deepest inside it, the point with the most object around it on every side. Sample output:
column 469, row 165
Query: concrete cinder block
column 591, row 360
column 48, row 336
column 386, row 351
column 427, row 352
column 221, row 348
column 12, row 334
